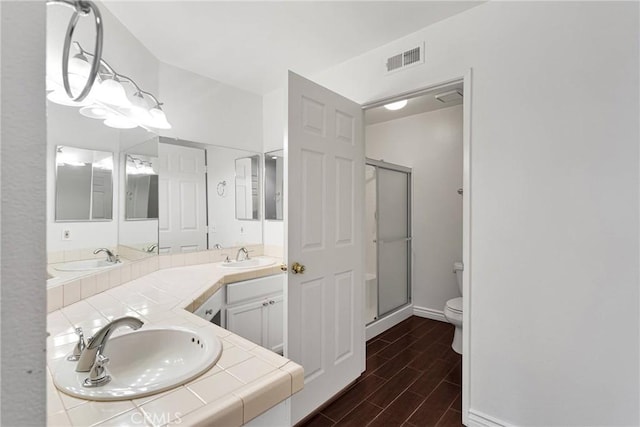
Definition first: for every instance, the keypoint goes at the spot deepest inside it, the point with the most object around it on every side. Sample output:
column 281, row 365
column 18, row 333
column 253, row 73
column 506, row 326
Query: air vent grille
column 411, row 56
column 394, row 62
column 405, row 59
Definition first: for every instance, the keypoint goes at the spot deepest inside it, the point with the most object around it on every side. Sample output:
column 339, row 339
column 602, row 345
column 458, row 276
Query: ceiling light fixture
column 396, row 105
column 102, row 92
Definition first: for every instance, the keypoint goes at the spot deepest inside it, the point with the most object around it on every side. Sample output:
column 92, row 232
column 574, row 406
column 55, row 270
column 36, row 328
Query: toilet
column 453, row 310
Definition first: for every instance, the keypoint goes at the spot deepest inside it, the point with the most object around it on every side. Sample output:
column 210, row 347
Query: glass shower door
column 394, row 239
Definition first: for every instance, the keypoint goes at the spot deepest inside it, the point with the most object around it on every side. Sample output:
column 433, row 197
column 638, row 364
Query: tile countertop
column 246, row 381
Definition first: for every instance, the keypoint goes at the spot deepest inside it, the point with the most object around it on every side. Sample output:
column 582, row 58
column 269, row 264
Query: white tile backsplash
column 88, row 287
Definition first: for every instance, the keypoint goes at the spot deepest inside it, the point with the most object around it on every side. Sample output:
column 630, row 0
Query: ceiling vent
column 406, row 59
column 452, row 95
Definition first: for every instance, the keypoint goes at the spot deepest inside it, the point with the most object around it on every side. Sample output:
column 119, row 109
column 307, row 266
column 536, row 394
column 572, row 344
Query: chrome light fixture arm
column 110, row 71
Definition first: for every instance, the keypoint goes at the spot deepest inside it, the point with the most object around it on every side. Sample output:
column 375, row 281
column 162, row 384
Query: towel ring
column 81, row 8
column 220, row 189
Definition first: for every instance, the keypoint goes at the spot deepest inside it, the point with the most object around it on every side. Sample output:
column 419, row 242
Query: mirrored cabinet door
column 84, row 184
column 248, row 188
column 273, row 185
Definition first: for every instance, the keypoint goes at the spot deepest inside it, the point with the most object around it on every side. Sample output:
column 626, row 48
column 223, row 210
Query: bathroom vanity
column 253, row 309
column 249, row 384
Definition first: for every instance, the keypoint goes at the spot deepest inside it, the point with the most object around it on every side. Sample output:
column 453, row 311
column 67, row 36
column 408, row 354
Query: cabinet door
column 247, row 321
column 275, row 324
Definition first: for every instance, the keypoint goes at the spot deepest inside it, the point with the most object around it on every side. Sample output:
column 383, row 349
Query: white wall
column 22, row 265
column 554, row 201
column 430, row 144
column 206, row 111
column 274, row 108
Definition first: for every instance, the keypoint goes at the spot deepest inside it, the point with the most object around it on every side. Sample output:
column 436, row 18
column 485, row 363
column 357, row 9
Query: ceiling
column 423, row 103
column 250, row 45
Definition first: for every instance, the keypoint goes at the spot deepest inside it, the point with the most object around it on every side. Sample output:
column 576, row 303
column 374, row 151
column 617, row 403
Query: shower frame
column 381, row 164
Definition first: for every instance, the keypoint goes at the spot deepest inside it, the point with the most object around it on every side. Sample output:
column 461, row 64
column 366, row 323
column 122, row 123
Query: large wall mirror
column 247, row 182
column 84, row 184
column 198, row 196
column 273, row 185
column 86, row 194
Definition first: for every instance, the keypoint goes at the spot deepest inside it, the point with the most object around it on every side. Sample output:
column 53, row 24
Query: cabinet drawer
column 254, row 288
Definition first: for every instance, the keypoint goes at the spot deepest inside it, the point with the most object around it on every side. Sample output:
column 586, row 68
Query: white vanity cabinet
column 255, row 311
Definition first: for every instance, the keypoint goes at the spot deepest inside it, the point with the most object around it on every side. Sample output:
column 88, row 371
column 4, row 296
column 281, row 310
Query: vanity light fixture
column 396, row 105
column 101, row 90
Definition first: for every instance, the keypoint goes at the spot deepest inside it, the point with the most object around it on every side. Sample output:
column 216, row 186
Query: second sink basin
column 145, row 362
column 248, row 263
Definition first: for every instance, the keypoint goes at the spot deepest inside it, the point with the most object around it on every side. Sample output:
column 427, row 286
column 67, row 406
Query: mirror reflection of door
column 182, row 199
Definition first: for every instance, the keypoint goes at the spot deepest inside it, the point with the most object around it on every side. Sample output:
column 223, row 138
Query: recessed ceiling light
column 396, row 105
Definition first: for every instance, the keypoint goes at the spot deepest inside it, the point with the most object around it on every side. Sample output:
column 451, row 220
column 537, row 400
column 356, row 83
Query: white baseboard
column 429, row 313
column 381, row 325
column 478, row 419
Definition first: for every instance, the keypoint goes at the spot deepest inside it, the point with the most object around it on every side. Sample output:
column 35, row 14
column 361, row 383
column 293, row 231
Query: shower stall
column 388, row 238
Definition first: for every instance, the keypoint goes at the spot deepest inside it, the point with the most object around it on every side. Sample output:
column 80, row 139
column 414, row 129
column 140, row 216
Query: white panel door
column 182, row 199
column 325, row 228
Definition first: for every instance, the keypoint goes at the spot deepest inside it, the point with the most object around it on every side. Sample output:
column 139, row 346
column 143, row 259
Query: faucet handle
column 80, row 345
column 98, row 375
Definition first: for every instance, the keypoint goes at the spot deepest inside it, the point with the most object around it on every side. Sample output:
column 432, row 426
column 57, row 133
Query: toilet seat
column 455, row 305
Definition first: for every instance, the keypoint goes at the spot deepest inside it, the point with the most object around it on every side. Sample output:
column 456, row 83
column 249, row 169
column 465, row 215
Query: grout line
column 368, row 401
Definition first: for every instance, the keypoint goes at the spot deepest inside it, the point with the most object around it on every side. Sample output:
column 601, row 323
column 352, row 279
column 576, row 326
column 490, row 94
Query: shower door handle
column 399, row 239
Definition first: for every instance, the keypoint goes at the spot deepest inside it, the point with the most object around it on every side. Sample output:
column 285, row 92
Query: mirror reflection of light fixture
column 102, row 92
column 396, row 105
column 137, row 166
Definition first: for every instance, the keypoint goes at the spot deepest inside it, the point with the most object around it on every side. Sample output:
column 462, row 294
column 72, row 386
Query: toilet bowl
column 453, row 310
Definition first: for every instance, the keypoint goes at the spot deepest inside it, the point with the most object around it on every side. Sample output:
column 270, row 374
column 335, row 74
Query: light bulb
column 59, row 96
column 139, row 109
column 79, row 65
column 158, row 119
column 111, row 92
column 396, row 105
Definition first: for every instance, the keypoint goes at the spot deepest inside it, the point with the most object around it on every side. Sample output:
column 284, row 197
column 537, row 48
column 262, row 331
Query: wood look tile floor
column 412, row 378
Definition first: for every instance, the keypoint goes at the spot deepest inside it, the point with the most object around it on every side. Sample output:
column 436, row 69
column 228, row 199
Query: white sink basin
column 83, row 265
column 248, row 263
column 145, row 362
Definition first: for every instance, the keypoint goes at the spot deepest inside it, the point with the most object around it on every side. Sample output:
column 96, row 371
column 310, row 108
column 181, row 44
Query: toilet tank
column 458, row 268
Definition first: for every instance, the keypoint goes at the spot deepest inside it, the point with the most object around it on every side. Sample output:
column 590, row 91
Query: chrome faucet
column 151, row 248
column 241, row 251
column 95, row 347
column 110, row 256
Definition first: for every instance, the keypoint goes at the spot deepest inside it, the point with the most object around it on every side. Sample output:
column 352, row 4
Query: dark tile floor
column 413, row 378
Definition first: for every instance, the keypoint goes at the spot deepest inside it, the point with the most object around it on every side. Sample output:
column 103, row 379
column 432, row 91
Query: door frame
column 466, row 79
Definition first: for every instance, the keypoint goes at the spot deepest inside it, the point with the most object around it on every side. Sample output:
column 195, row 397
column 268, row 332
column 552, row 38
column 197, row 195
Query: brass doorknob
column 297, row 268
